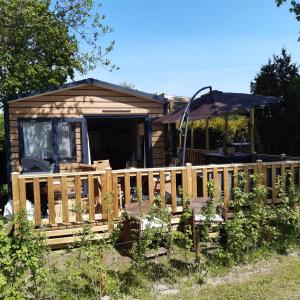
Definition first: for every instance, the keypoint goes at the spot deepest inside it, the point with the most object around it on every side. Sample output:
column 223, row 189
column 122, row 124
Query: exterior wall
column 82, row 101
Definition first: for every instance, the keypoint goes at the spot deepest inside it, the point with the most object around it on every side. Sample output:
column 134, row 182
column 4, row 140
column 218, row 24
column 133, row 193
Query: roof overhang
column 90, row 81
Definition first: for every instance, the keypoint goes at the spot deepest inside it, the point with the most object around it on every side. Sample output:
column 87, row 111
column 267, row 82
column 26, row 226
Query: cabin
column 85, row 121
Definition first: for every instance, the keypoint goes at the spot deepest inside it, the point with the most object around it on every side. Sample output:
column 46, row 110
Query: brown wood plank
column 162, row 187
column 216, row 180
column 22, row 187
column 226, row 187
column 91, row 195
column 109, row 194
column 37, row 201
column 116, row 201
column 194, row 180
column 235, row 176
column 139, row 185
column 151, row 186
column 189, row 179
column 64, row 199
column 184, row 184
column 51, row 203
column 103, row 197
column 78, row 204
column 15, row 193
column 173, row 191
column 127, row 187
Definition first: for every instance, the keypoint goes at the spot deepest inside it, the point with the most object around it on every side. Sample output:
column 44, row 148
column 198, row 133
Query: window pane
column 37, row 138
column 65, row 141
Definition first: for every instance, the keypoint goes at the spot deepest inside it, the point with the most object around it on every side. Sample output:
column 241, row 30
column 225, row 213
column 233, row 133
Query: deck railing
column 198, row 156
column 72, row 199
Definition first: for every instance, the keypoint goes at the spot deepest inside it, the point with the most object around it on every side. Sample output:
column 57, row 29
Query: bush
column 237, row 131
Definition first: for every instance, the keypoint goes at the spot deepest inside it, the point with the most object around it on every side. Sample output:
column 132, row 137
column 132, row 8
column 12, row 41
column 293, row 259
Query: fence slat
column 162, row 187
column 15, row 193
column 103, row 198
column 37, row 201
column 204, row 182
column 127, row 188
column 22, row 187
column 150, row 186
column 173, row 191
column 292, row 170
column 116, row 196
column 194, row 181
column 235, row 176
column 216, row 180
column 91, row 196
column 139, row 186
column 64, row 199
column 78, row 204
column 189, row 179
column 225, row 187
column 51, row 202
column 109, row 194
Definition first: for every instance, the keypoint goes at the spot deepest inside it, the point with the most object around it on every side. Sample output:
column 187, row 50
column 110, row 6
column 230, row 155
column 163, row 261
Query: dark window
column 50, row 139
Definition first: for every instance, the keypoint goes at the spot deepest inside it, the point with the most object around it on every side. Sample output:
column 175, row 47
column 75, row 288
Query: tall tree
column 294, row 8
column 44, row 42
column 278, row 125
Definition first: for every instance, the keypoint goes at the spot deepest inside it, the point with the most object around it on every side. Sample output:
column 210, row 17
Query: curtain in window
column 37, row 137
column 65, row 144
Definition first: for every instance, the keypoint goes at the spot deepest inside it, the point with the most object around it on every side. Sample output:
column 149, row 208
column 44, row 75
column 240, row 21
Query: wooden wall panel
column 85, row 100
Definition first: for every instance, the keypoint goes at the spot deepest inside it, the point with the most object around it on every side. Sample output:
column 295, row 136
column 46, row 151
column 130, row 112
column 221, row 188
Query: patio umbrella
column 214, row 103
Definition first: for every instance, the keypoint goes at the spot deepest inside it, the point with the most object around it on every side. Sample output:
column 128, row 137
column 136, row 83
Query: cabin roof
column 90, row 81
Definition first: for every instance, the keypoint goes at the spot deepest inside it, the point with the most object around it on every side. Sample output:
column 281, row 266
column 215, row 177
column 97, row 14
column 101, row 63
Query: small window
column 66, row 141
column 37, row 137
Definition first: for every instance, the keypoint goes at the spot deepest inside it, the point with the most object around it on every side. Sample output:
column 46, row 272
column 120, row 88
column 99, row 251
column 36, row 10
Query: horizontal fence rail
column 71, row 199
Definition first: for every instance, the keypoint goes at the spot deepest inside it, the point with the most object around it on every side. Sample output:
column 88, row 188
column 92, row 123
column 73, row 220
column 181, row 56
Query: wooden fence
column 69, row 200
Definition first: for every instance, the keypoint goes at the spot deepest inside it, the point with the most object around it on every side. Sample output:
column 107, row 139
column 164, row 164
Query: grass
column 276, row 278
column 266, row 276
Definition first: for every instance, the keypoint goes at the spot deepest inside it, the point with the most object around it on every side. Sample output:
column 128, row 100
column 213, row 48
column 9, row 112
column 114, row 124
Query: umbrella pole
column 207, row 134
column 226, row 134
column 252, row 147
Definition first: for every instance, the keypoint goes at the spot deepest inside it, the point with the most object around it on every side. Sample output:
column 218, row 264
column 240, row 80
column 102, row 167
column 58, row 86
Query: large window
column 37, row 138
column 52, row 140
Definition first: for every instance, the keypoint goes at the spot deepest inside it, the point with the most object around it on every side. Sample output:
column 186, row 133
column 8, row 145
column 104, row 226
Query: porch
column 99, row 197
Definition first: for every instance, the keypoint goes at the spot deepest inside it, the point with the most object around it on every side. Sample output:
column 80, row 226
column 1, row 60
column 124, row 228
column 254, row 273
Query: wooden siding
column 84, row 100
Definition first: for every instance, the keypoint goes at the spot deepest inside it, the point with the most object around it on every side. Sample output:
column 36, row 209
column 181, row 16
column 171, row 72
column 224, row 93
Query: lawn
column 274, row 278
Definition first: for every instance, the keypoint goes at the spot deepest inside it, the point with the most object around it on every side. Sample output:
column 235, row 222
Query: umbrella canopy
column 217, row 103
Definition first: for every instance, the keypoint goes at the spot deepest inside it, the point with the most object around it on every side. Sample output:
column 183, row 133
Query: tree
column 295, row 8
column 127, row 85
column 44, row 42
column 278, row 124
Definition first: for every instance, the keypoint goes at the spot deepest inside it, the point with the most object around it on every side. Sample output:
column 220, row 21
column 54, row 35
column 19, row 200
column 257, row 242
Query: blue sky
column 178, row 47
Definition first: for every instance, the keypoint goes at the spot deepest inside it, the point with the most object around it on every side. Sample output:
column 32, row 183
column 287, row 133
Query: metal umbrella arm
column 185, row 118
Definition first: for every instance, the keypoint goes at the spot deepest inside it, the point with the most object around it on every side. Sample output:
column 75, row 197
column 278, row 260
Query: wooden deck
column 98, row 198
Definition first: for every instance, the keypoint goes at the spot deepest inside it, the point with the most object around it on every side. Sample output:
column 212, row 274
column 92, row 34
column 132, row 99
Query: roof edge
column 89, row 81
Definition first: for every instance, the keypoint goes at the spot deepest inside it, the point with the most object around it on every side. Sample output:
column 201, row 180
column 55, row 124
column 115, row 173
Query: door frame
column 147, row 136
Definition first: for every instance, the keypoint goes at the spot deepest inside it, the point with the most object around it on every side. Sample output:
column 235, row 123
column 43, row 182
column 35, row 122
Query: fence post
column 15, row 194
column 189, row 179
column 260, row 171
